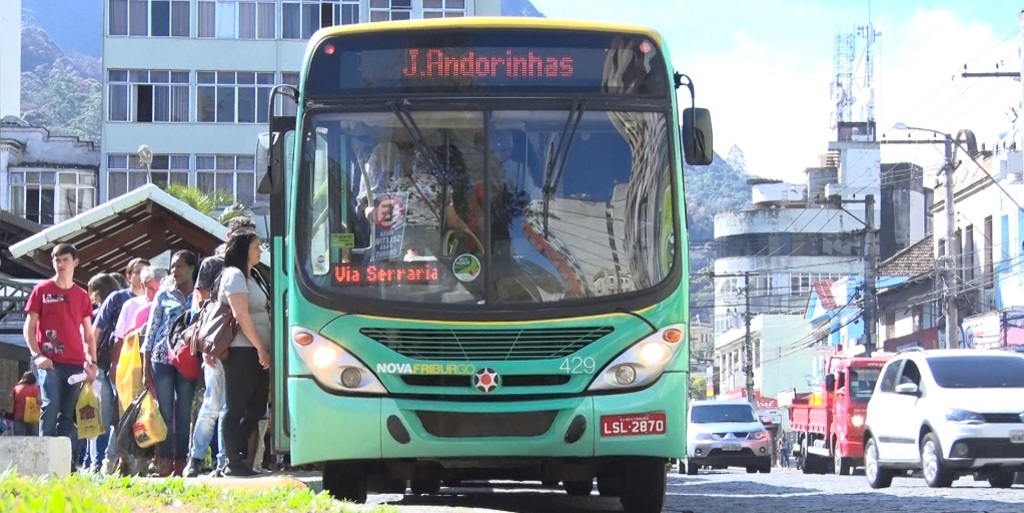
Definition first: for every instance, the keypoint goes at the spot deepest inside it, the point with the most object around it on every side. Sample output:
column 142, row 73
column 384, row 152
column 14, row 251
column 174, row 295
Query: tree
column 698, row 387
column 203, row 201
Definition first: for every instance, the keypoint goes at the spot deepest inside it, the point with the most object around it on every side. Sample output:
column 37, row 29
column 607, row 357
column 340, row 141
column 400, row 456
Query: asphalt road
column 726, row 491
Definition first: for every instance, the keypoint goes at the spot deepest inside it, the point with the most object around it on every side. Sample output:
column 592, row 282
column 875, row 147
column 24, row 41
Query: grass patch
column 104, row 494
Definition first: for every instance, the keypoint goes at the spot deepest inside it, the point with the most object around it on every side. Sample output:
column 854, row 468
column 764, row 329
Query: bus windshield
column 486, row 206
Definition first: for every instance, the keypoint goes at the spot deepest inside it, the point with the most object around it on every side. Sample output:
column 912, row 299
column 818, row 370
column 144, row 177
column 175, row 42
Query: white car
column 726, row 434
column 947, row 413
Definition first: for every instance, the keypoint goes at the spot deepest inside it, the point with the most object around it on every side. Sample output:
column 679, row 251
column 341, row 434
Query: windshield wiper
column 555, row 165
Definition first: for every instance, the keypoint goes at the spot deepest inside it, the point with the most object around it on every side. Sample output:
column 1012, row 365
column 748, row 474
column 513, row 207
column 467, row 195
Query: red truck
column 829, row 423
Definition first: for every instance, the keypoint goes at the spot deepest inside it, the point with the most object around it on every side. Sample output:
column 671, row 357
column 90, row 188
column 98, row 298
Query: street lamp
column 949, row 165
column 146, row 158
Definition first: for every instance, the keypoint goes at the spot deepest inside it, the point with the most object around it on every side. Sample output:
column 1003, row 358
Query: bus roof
column 484, row 22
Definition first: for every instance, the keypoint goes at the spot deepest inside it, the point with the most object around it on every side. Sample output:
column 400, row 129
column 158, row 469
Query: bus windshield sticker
column 343, row 240
column 420, row 272
column 389, row 225
column 466, row 267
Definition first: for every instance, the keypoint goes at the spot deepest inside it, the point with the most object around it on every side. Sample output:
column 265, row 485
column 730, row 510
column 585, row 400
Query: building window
column 232, row 97
column 300, row 18
column 444, row 8
column 146, row 96
column 890, row 325
column 390, row 10
column 155, row 18
column 49, row 197
column 241, row 19
column 234, row 174
column 126, row 173
column 986, row 257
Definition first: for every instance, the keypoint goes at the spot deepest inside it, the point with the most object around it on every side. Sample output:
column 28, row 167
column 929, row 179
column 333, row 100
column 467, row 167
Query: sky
column 764, row 69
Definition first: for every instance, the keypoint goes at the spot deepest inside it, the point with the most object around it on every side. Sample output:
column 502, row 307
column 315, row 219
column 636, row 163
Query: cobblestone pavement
column 727, row 491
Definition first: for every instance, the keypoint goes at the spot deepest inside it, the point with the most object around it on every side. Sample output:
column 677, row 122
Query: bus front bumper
column 326, row 427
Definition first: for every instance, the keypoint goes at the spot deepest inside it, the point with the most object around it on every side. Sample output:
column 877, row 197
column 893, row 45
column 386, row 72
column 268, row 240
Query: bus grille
column 480, row 425
column 496, row 344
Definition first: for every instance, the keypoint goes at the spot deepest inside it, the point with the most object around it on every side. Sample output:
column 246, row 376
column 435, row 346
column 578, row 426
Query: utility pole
column 949, row 284
column 870, row 264
column 748, row 343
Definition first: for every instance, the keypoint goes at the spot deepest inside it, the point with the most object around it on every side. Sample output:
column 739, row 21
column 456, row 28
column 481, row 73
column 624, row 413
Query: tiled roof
column 824, row 290
column 914, row 260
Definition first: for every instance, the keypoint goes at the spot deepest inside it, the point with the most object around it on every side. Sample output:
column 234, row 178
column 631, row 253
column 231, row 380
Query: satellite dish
column 145, row 155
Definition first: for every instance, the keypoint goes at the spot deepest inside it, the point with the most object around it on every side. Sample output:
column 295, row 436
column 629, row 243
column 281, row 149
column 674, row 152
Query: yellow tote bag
column 149, row 429
column 87, row 413
column 129, row 369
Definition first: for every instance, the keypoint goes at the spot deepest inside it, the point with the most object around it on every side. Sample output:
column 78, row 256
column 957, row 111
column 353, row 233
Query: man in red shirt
column 58, row 313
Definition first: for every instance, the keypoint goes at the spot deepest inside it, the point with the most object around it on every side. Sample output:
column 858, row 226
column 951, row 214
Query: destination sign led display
column 503, row 61
column 387, row 273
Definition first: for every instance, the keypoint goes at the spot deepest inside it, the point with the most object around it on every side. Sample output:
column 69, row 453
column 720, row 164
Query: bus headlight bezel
column 648, row 358
column 329, row 363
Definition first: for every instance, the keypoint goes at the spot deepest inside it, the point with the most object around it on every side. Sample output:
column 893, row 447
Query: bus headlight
column 332, row 366
column 643, row 362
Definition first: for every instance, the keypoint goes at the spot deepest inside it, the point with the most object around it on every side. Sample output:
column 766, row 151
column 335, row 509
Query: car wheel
column 878, row 476
column 936, row 475
column 1001, row 479
column 691, row 467
column 751, row 470
column 765, row 467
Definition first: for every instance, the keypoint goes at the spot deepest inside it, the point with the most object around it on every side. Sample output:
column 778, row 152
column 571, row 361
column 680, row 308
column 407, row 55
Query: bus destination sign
column 389, row 273
column 500, row 63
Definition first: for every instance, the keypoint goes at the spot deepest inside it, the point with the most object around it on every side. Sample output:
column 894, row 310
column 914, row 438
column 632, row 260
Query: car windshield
column 478, row 207
column 862, row 384
column 712, row 413
column 978, row 371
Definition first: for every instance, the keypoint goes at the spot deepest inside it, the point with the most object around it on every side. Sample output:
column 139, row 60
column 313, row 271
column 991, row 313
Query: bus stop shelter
column 143, row 223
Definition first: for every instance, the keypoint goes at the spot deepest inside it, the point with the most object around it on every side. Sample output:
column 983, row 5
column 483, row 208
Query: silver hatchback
column 726, row 434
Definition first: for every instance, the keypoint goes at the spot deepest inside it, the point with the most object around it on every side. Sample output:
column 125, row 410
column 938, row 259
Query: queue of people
column 71, row 331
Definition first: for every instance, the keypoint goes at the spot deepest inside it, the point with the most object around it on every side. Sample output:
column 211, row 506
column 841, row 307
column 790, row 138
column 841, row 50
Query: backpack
column 105, row 342
column 179, row 348
column 31, row 411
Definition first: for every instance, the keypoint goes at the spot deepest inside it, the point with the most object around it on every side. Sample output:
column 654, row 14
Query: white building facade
column 191, row 79
column 782, row 355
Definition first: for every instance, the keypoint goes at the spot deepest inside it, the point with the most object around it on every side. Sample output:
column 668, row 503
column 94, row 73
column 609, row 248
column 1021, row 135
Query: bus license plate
column 632, row 425
column 1017, row 437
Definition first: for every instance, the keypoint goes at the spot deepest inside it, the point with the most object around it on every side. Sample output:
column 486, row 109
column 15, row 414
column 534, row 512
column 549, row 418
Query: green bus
column 480, row 256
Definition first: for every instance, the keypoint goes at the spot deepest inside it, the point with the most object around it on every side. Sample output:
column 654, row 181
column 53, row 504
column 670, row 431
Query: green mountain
column 59, row 90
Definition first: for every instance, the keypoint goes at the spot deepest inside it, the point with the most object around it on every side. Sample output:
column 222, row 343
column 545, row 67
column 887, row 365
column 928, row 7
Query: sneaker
column 217, row 472
column 109, row 467
column 194, row 467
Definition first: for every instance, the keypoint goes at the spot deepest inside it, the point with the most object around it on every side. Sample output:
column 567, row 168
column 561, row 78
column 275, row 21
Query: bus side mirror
column 271, row 160
column 830, row 383
column 697, row 137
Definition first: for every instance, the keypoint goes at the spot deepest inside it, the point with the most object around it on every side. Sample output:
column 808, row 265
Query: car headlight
column 857, row 420
column 332, row 366
column 964, row 416
column 643, row 362
column 757, row 435
column 703, row 436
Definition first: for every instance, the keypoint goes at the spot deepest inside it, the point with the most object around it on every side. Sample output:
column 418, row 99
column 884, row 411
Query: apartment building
column 191, row 79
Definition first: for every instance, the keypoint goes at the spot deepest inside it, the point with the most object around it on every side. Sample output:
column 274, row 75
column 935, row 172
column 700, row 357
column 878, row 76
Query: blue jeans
column 175, row 395
column 99, row 448
column 213, row 408
column 57, row 402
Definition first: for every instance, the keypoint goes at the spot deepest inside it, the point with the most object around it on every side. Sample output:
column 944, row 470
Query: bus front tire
column 345, row 481
column 643, row 486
